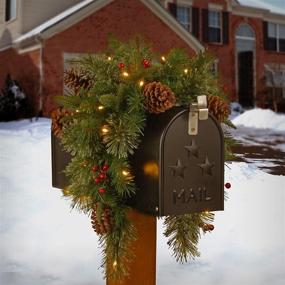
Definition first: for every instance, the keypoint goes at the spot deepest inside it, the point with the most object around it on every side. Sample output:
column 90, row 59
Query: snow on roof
column 262, row 5
column 54, row 20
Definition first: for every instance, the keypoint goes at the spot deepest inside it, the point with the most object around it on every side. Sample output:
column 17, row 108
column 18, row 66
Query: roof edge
column 92, row 7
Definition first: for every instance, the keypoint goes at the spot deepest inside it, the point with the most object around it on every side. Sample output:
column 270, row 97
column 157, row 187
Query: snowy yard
column 43, row 242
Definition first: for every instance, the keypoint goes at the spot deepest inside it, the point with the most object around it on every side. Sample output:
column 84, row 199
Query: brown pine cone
column 57, row 124
column 158, row 97
column 77, row 79
column 218, row 107
column 104, row 223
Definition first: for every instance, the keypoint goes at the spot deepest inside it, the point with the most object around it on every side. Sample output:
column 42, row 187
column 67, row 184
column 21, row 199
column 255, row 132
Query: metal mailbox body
column 177, row 173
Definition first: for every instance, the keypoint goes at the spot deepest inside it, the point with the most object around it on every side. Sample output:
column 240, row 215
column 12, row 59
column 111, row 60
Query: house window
column 276, row 37
column 245, row 38
column 214, row 67
column 183, row 17
column 11, row 10
column 215, row 27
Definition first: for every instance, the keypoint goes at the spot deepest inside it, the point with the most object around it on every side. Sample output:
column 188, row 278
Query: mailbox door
column 191, row 167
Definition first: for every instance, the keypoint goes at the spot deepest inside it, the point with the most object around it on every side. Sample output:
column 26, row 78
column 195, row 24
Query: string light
column 185, row 70
column 77, row 111
column 151, row 168
column 100, row 107
column 163, row 58
column 125, row 172
column 104, row 130
column 141, row 83
column 125, row 74
column 109, row 58
column 115, row 263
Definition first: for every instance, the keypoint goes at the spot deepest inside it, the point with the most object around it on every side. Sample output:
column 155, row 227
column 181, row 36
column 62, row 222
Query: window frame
column 215, row 67
column 220, row 27
column 277, row 38
column 187, row 26
column 10, row 17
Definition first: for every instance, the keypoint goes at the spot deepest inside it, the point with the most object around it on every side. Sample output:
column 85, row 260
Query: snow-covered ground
column 43, row 242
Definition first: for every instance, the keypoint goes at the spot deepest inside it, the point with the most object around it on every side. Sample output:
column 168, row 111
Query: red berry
column 228, row 185
column 102, row 175
column 121, row 65
column 97, row 180
column 101, row 190
column 105, row 167
column 211, row 227
column 95, row 168
column 146, row 63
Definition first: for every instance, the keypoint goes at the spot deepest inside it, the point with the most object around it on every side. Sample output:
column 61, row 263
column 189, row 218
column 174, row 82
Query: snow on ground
column 261, row 119
column 43, row 242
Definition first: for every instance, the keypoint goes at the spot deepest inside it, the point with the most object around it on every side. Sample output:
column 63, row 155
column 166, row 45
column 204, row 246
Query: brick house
column 248, row 43
column 37, row 37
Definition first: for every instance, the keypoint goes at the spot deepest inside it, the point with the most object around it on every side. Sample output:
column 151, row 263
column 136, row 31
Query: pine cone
column 103, row 224
column 56, row 117
column 158, row 97
column 77, row 79
column 218, row 107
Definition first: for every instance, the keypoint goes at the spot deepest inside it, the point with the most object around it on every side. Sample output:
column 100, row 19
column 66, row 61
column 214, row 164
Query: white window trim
column 184, row 2
column 245, row 38
column 216, row 7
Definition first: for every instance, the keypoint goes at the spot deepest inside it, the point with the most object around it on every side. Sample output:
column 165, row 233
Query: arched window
column 244, row 31
column 245, row 38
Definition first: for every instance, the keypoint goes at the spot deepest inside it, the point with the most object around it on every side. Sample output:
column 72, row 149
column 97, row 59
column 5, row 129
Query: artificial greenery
column 104, row 127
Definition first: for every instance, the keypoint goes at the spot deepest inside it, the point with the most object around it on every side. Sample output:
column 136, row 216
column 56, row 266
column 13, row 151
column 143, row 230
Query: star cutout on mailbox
column 192, row 149
column 206, row 166
column 178, row 169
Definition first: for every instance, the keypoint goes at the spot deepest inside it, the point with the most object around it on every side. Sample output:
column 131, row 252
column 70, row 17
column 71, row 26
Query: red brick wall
column 25, row 69
column 122, row 18
column 227, row 53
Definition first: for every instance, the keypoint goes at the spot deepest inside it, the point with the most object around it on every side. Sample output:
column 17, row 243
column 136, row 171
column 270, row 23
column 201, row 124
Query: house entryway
column 245, row 65
column 245, row 78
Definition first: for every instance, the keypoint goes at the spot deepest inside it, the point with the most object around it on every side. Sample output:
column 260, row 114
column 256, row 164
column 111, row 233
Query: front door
column 245, row 78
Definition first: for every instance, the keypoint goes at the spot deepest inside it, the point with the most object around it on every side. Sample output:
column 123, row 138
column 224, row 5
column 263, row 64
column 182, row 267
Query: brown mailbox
column 175, row 173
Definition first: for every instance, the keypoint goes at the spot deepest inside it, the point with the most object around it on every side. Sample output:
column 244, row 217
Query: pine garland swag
column 105, row 121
